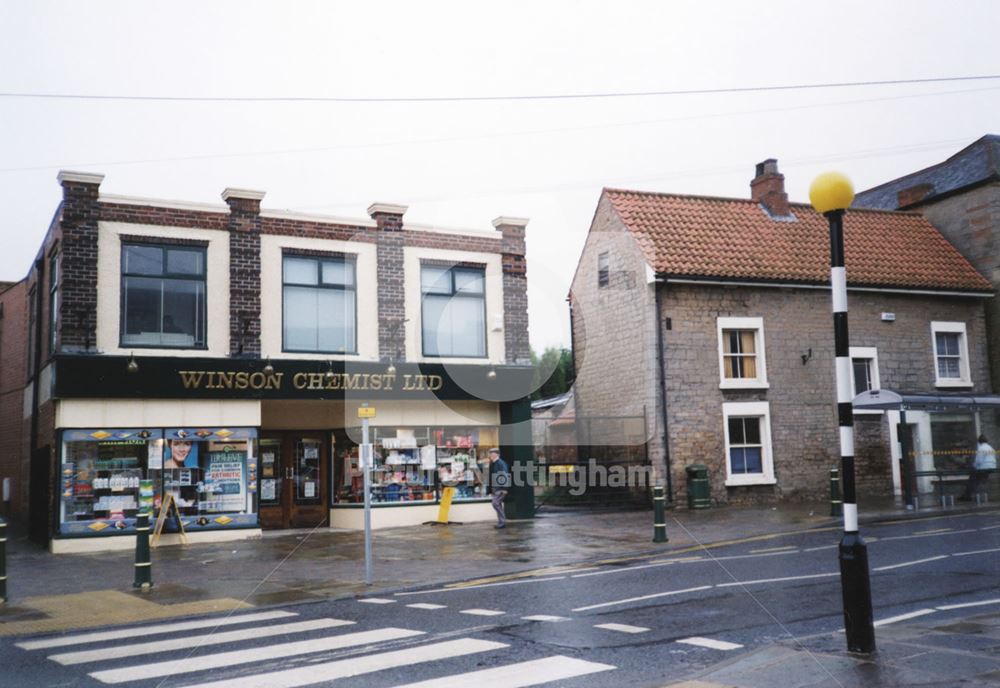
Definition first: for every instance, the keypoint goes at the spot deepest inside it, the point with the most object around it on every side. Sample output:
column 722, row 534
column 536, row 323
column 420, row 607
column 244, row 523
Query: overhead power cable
column 486, row 98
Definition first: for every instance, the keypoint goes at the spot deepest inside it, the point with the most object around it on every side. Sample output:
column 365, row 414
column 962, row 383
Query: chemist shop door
column 293, row 479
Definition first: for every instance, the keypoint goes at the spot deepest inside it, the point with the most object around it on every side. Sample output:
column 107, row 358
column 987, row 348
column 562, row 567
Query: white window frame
column 757, row 325
column 871, row 353
column 761, row 410
column 963, row 364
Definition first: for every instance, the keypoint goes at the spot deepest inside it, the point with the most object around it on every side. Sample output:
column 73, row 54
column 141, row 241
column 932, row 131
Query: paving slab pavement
column 942, row 654
column 63, row 592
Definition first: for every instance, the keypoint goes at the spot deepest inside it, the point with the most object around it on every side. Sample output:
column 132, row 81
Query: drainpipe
column 36, row 362
column 661, row 367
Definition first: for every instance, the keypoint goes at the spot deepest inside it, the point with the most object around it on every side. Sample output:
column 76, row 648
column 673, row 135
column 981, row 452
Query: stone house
column 712, row 316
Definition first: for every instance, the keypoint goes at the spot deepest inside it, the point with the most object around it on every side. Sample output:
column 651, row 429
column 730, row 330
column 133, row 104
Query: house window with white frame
column 747, row 427
column 741, row 353
column 951, row 354
column 864, row 366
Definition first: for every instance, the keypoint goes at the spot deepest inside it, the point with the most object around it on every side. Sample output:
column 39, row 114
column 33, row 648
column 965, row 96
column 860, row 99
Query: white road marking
column 773, row 549
column 983, row 603
column 253, row 654
column 544, row 617
column 909, row 563
column 376, row 600
column 710, row 643
column 355, row 666
column 152, row 629
column 622, row 628
column 777, row 580
column 977, row 551
column 426, row 605
column 928, row 534
column 193, row 641
column 518, row 675
column 816, row 549
column 668, row 562
column 482, row 612
column 643, row 597
column 904, row 617
column 990, row 527
column 481, row 585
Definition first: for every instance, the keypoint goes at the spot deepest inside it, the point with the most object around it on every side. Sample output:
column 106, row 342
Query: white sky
column 462, row 164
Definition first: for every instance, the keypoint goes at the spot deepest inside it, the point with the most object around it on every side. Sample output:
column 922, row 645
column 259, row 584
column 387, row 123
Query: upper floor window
column 54, row 277
column 864, row 365
column 951, row 354
column 741, row 353
column 319, row 305
column 453, row 311
column 603, row 270
column 163, row 296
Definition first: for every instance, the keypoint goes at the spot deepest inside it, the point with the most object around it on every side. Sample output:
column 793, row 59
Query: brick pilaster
column 244, row 271
column 80, row 211
column 391, row 301
column 515, row 288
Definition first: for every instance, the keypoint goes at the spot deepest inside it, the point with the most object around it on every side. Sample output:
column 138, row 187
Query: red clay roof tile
column 707, row 237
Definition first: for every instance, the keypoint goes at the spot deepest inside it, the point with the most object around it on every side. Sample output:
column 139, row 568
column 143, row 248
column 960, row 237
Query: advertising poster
column 224, row 479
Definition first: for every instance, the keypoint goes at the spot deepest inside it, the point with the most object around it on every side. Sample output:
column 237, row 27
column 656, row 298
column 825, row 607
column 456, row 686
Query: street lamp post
column 830, row 194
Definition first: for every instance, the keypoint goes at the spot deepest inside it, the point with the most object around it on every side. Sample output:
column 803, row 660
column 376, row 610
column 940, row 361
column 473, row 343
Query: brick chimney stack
column 768, row 188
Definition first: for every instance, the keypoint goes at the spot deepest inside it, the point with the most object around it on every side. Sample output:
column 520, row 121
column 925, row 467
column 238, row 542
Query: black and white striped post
column 831, row 193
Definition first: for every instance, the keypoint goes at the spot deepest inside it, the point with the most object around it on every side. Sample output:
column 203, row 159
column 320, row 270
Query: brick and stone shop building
column 217, row 355
column 712, row 316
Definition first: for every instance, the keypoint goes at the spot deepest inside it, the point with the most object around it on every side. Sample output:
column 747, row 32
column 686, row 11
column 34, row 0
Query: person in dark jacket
column 498, row 484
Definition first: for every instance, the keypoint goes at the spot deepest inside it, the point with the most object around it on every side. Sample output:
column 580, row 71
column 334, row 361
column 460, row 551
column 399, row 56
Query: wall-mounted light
column 268, row 368
column 133, row 365
column 329, row 371
column 391, row 370
column 806, row 356
column 492, row 374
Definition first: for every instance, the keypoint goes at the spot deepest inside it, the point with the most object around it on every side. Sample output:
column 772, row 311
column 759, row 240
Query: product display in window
column 108, row 475
column 414, row 464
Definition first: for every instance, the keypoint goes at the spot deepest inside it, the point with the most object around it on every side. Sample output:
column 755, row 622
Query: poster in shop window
column 225, row 482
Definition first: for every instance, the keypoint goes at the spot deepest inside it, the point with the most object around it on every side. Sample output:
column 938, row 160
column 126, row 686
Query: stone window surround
column 940, row 326
column 750, row 409
column 603, row 269
column 743, row 323
column 870, row 353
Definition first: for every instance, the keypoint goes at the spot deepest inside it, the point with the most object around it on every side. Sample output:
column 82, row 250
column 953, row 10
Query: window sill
column 747, row 384
column 757, row 480
column 953, row 383
column 869, row 413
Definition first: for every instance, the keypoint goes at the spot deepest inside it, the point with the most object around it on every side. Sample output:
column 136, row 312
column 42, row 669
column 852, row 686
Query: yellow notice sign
column 562, row 469
column 366, row 412
column 447, row 494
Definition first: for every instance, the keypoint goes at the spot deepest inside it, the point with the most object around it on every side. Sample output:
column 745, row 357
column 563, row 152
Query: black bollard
column 3, row 560
column 659, row 515
column 835, row 503
column 143, row 565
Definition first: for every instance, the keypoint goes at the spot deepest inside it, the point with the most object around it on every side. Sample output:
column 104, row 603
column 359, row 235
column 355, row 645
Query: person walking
column 498, row 484
column 984, row 464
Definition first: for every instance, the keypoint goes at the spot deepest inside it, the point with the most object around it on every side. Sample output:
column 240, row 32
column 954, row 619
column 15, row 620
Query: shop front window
column 416, row 464
column 109, row 476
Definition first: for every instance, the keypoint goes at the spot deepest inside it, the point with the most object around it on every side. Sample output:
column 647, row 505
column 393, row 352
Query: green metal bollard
column 143, row 565
column 836, row 506
column 3, row 561
column 659, row 515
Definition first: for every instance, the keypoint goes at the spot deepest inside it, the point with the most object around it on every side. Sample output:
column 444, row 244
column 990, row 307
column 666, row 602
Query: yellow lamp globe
column 831, row 191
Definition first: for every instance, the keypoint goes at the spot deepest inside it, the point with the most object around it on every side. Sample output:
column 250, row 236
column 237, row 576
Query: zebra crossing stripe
column 355, row 666
column 531, row 673
column 64, row 640
column 254, row 654
column 194, row 641
column 710, row 643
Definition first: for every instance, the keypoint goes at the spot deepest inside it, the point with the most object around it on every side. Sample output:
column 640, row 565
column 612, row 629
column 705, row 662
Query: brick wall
column 244, row 276
column 13, row 328
column 614, row 336
column 515, row 289
column 801, row 397
column 391, row 285
column 971, row 222
column 78, row 288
